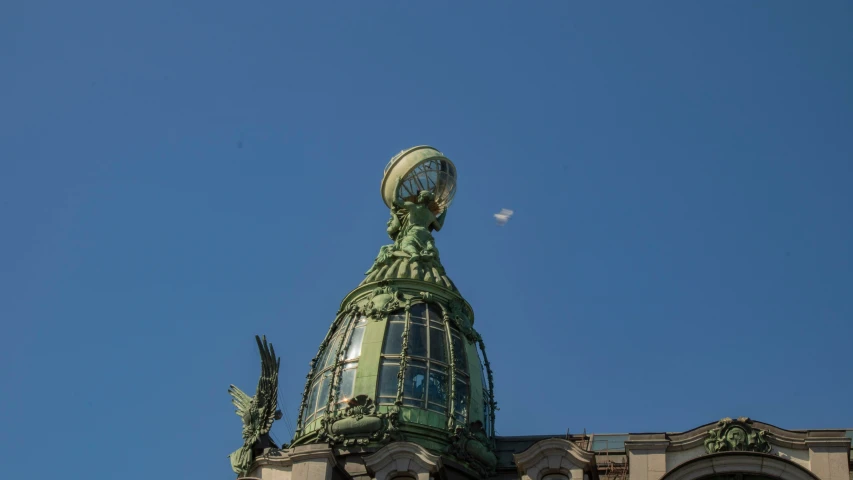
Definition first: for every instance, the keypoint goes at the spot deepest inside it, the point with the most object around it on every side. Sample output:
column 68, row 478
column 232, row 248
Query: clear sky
column 176, row 177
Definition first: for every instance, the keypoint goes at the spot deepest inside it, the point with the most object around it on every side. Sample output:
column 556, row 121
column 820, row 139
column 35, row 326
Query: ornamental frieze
column 736, row 436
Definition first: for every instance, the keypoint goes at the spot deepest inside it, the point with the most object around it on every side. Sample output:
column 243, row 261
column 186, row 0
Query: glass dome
column 338, row 361
column 428, row 370
column 443, row 376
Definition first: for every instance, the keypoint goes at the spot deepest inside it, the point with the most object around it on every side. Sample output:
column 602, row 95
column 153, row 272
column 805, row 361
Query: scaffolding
column 614, row 464
column 582, row 442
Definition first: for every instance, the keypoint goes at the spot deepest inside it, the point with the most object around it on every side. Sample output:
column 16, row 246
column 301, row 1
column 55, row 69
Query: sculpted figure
column 259, row 412
column 418, row 222
column 410, row 227
column 387, row 251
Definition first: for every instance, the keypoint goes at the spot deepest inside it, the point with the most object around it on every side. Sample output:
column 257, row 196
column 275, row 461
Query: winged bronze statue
column 259, row 412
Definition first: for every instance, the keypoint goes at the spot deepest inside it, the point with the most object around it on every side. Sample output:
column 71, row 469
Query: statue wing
column 267, row 392
column 244, row 406
column 240, row 400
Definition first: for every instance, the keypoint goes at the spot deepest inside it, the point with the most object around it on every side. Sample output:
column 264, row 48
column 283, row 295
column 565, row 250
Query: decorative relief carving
column 736, row 436
column 457, row 313
column 359, row 424
column 382, row 301
column 472, row 446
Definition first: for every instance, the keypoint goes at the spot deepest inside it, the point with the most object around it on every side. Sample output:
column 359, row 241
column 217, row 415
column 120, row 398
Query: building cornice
column 312, row 452
column 283, row 460
column 637, row 445
column 388, row 457
column 795, row 439
column 843, row 442
column 550, row 446
column 739, row 462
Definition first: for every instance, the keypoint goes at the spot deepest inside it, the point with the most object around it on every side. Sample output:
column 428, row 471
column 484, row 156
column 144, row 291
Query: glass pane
column 354, row 349
column 332, row 351
column 459, row 356
column 323, row 393
column 432, row 177
column 347, row 384
column 388, row 380
column 437, row 350
column 460, row 406
column 446, row 186
column 321, row 360
column 394, row 339
column 420, row 181
column 414, row 384
column 438, row 391
column 312, row 401
column 411, row 188
column 435, row 314
column 417, row 341
column 608, row 442
column 418, row 310
column 441, row 180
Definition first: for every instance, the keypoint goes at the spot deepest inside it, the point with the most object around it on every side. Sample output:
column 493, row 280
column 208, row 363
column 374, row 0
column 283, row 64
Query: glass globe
column 421, row 168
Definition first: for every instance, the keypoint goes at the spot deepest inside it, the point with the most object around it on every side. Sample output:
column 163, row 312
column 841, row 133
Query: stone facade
column 787, row 455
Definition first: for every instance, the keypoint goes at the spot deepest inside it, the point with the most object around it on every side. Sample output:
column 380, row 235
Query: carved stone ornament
column 736, row 436
column 456, row 313
column 472, row 446
column 359, row 424
column 383, row 300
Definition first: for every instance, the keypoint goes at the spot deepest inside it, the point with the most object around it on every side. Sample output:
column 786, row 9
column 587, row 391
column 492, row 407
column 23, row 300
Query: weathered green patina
column 258, row 412
column 406, row 274
column 473, row 446
column 413, row 254
column 359, row 424
column 736, row 436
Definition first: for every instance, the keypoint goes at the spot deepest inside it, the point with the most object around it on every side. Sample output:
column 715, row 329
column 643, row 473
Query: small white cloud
column 503, row 216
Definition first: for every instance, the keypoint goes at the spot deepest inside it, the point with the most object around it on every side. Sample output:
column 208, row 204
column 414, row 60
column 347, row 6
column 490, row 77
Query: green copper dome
column 401, row 359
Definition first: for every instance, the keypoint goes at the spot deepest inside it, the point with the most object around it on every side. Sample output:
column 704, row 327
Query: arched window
column 426, row 380
column 350, row 357
column 351, row 333
column 460, row 362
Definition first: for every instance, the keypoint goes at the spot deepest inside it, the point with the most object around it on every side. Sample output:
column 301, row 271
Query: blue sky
column 176, row 177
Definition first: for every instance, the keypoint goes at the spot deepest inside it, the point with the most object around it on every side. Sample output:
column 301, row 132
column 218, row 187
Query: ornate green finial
column 259, row 412
column 418, row 186
column 736, row 436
